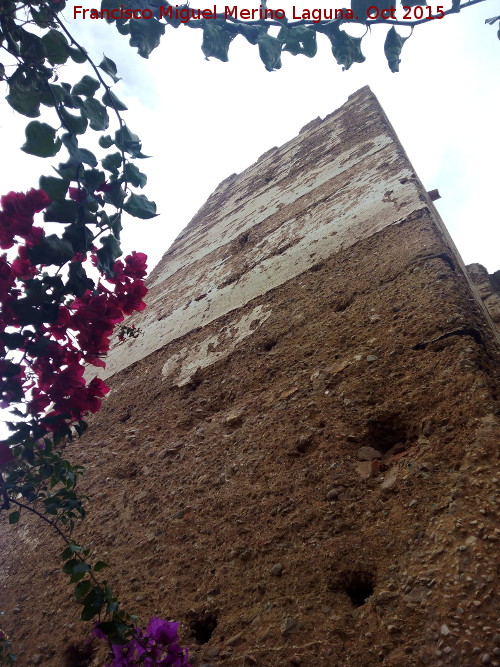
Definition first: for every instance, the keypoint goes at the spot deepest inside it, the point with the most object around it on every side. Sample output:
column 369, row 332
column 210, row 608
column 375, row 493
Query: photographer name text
column 185, row 14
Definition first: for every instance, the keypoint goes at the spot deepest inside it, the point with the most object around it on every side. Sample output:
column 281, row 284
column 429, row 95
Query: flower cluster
column 17, row 216
column 57, row 328
column 158, row 645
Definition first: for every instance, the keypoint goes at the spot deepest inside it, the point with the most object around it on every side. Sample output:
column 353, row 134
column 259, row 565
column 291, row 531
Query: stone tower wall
column 297, row 458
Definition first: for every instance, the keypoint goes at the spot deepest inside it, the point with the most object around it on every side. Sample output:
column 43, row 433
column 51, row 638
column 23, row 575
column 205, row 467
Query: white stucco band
column 297, row 205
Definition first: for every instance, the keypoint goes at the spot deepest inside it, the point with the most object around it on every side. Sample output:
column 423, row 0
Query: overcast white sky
column 204, row 120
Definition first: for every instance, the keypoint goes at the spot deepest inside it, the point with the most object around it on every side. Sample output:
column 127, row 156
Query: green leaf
column 79, row 571
column 55, row 94
column 42, row 17
column 346, row 49
column 10, row 370
column 112, row 162
column 134, row 176
column 13, row 341
column 81, row 590
column 70, row 550
column 97, row 115
column 250, row 32
column 72, row 123
column 115, row 224
column 81, row 427
column 128, row 141
column 77, row 56
column 77, row 155
column 32, row 48
column 56, row 47
column 141, row 156
column 105, row 141
column 88, row 613
column 139, row 206
column 216, row 41
column 392, row 48
column 146, row 35
column 25, row 103
column 69, row 171
column 70, row 565
column 123, row 26
column 112, row 607
column 299, row 40
column 100, row 565
column 40, row 140
column 51, row 250
column 65, row 211
column 110, row 100
column 93, row 178
column 94, row 602
column 86, row 86
column 107, row 255
column 56, row 188
column 14, row 517
column 269, row 51
column 108, row 66
column 115, row 195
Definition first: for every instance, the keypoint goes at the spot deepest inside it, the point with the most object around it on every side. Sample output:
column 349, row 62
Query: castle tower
column 296, row 459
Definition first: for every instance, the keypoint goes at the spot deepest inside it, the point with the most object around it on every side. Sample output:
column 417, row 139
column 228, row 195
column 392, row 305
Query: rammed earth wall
column 296, row 459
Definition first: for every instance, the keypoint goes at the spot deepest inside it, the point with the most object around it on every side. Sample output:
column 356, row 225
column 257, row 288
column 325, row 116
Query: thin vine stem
column 59, row 531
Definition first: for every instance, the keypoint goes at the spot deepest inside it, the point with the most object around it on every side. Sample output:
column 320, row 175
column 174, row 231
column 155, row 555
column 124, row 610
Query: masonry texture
column 297, row 459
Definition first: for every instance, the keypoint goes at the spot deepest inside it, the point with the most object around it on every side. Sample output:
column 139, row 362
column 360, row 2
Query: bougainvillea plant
column 51, row 328
column 61, row 296
column 63, row 293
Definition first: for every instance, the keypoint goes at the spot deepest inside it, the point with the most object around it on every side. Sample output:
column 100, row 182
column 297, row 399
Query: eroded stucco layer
column 303, row 470
column 297, row 205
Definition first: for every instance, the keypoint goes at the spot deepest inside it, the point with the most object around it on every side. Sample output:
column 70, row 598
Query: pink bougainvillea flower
column 118, row 271
column 64, row 383
column 38, row 403
column 94, row 318
column 163, row 632
column 17, row 205
column 22, row 267
column 20, row 205
column 136, row 266
column 82, row 399
column 60, row 327
column 77, row 194
column 130, row 299
column 38, row 200
column 16, row 219
column 104, row 187
column 35, row 236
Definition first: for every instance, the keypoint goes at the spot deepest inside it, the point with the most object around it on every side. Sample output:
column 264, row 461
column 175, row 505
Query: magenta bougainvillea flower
column 77, row 194
column 136, row 265
column 157, row 646
column 16, row 218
